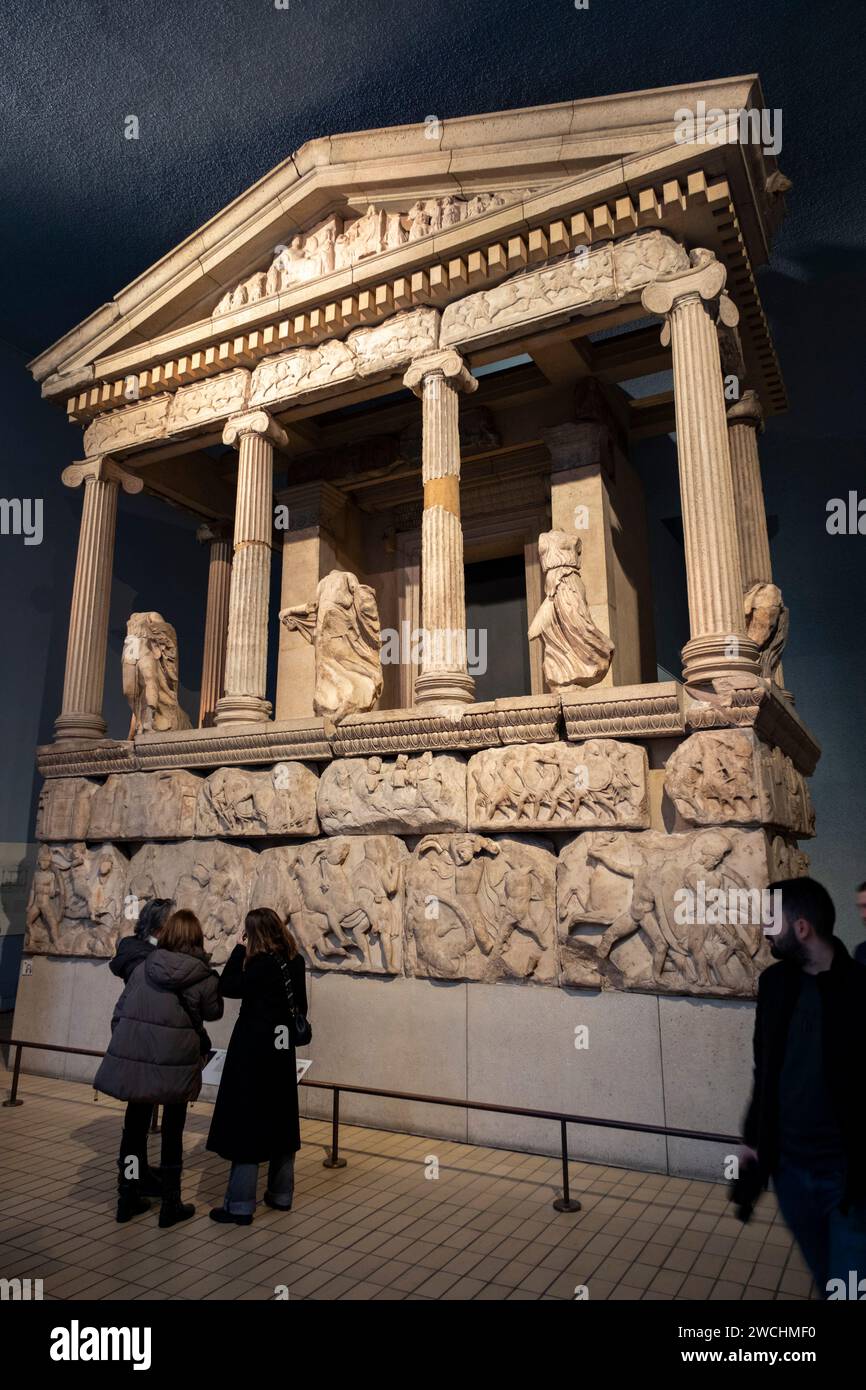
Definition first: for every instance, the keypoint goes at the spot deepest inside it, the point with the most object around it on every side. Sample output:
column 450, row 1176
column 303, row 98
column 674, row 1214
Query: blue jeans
column 240, row 1198
column 833, row 1243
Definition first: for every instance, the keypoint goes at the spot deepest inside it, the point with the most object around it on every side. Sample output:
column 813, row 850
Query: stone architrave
column 342, row 623
column 128, row 426
column 539, row 298
column 145, row 806
column 151, row 677
column 481, row 908
column 277, row 801
column 343, row 898
column 559, row 786
column 301, row 372
column 77, row 903
column 577, row 653
column 64, row 808
column 210, row 878
column 731, row 777
column 673, row 914
column 391, row 346
column 406, row 795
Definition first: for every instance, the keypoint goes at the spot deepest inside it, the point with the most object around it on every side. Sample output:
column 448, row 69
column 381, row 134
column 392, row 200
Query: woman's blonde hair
column 267, row 933
column 182, row 932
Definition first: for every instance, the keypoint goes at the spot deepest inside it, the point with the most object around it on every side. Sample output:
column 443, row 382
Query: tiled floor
column 379, row 1228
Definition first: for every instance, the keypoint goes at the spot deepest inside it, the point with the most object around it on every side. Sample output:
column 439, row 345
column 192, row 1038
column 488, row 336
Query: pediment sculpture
column 339, row 242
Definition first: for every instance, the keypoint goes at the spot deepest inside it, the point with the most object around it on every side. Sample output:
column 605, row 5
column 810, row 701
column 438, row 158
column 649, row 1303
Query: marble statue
column 77, row 900
column 150, row 675
column 481, row 909
column 681, row 913
column 534, row 786
column 767, row 622
column 576, row 652
column 343, row 625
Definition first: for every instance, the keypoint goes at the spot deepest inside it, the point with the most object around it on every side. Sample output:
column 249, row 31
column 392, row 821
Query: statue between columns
column 342, row 623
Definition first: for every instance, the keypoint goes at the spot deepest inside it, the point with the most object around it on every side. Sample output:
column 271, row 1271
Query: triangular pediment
column 348, row 203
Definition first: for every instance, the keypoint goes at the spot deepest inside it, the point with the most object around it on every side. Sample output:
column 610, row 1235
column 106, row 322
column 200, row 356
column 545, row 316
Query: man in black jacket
column 860, row 948
column 806, row 1123
column 132, row 950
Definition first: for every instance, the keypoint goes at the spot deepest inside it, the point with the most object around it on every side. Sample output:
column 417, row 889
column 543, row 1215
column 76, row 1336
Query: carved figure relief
column 301, row 369
column 398, row 796
column 64, row 808
column 343, row 898
column 729, row 776
column 144, row 806
column 576, row 651
column 343, row 625
column 677, row 913
column 150, row 675
column 481, row 909
column 339, row 242
column 76, row 903
column 280, row 801
column 210, row 878
column 559, row 786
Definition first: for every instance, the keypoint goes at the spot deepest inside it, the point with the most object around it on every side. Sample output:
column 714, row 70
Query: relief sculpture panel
column 145, row 806
column 558, row 786
column 210, row 878
column 398, row 796
column 77, row 901
column 677, row 913
column 343, row 898
column 479, row 908
column 729, row 776
column 280, row 801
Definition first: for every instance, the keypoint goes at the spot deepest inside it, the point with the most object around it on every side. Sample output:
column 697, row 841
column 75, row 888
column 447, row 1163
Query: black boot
column 173, row 1209
column 151, row 1183
column 130, row 1201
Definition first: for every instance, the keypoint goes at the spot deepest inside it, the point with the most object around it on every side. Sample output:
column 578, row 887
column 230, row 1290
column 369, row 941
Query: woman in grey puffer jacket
column 155, row 1057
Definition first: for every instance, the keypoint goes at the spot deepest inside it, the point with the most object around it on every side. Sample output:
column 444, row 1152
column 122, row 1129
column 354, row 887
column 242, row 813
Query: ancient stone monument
column 391, row 364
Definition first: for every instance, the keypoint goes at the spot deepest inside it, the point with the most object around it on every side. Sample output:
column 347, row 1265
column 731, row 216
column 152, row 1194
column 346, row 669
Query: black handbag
column 302, row 1033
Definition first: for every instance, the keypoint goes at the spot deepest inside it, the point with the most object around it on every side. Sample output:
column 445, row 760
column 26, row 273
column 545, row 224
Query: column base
column 444, row 688
column 241, row 709
column 74, row 726
column 709, row 661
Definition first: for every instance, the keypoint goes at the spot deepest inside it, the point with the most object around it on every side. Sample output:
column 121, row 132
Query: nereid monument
column 394, row 360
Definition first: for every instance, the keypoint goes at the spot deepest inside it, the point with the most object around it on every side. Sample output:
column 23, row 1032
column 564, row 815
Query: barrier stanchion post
column 16, row 1073
column 155, row 1127
column 334, row 1160
column 565, row 1202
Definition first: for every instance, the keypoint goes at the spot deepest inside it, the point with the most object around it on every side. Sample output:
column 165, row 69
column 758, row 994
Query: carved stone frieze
column 637, row 711
column 145, row 806
column 210, row 878
column 77, row 901
column 406, row 795
column 64, row 808
column 559, row 786
column 680, row 914
column 279, row 801
column 343, row 898
column 729, row 776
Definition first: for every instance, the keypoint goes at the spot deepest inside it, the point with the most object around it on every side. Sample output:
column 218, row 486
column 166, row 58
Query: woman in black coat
column 255, row 1119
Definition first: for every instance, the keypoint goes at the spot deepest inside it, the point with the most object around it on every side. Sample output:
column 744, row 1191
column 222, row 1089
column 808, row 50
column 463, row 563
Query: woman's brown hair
column 268, row 934
column 182, row 932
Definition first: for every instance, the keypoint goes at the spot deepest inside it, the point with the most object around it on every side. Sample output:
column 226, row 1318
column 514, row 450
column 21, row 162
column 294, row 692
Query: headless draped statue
column 767, row 622
column 576, row 652
column 343, row 625
column 150, row 675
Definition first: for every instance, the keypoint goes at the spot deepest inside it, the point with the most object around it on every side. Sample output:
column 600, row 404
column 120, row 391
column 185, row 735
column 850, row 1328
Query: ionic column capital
column 447, row 363
column 704, row 280
column 253, row 422
column 747, row 411
column 102, row 469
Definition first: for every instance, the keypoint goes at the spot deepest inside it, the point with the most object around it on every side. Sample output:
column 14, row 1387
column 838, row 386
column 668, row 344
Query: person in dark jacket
column 806, row 1123
column 255, row 1118
column 860, row 948
column 132, row 950
column 155, row 1057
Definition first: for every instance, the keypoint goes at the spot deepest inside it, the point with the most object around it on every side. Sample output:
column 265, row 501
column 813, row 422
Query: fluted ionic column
column 718, row 652
column 745, row 422
column 254, row 434
column 438, row 378
column 213, row 664
column 84, row 681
